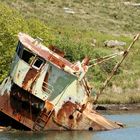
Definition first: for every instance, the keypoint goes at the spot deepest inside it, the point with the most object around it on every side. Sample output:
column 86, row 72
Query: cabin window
column 38, row 63
column 27, row 56
column 19, row 49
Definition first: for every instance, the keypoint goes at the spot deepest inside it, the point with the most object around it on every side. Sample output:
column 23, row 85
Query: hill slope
column 117, row 17
column 74, row 26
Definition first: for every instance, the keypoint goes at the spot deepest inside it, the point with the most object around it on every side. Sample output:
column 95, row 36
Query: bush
column 11, row 24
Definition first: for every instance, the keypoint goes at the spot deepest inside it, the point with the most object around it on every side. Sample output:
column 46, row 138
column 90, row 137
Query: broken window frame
column 19, row 49
column 35, row 60
column 31, row 57
column 20, row 52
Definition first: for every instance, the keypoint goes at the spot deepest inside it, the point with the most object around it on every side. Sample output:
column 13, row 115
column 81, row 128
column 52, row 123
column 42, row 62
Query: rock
column 114, row 43
column 124, row 108
column 69, row 10
column 101, row 108
column 131, row 3
column 93, row 43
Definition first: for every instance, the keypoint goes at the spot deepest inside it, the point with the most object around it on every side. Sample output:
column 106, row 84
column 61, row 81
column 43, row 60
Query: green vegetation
column 125, row 98
column 79, row 34
column 11, row 23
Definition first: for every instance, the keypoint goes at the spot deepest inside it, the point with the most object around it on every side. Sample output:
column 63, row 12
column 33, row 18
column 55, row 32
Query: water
column 130, row 132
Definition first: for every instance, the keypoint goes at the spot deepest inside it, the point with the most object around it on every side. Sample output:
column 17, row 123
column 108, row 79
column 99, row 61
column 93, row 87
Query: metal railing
column 47, row 88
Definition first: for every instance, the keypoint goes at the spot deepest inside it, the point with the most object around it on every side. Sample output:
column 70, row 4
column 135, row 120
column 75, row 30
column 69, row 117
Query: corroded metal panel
column 37, row 86
column 59, row 79
column 74, row 93
column 20, row 72
column 30, row 77
column 6, row 108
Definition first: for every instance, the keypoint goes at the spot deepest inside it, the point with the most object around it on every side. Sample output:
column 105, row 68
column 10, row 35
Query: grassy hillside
column 109, row 16
column 73, row 26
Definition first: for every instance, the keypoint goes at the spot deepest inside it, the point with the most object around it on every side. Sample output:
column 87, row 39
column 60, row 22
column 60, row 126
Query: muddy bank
column 118, row 107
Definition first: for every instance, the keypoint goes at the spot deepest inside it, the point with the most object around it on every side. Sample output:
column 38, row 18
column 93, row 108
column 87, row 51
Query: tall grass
column 123, row 98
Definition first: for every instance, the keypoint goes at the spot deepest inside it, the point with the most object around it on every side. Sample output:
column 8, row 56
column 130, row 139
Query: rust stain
column 45, row 85
column 29, row 79
column 56, row 61
column 65, row 115
column 56, row 50
column 48, row 106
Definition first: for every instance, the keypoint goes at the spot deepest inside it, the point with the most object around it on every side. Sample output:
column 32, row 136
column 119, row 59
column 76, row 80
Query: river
column 130, row 132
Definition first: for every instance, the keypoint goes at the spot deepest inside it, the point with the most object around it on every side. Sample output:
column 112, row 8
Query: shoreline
column 117, row 107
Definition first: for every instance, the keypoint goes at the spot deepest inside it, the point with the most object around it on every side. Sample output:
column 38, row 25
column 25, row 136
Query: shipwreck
column 44, row 91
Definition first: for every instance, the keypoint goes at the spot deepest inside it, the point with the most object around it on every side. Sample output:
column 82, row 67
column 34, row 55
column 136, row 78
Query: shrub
column 11, row 24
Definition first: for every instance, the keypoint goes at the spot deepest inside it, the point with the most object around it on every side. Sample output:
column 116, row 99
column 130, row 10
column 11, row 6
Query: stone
column 114, row 43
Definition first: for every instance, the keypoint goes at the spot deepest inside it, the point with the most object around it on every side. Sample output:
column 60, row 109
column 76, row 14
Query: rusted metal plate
column 6, row 108
column 29, row 79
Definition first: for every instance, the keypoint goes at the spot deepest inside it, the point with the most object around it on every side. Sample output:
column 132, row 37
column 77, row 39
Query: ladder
column 42, row 120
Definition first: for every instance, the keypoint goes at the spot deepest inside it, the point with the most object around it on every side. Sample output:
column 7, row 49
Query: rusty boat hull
column 67, row 118
column 44, row 91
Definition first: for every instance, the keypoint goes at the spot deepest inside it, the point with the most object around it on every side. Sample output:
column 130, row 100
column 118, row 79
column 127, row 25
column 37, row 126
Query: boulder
column 114, row 43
